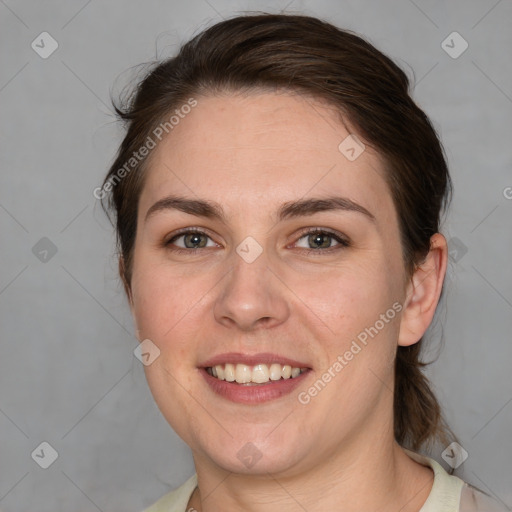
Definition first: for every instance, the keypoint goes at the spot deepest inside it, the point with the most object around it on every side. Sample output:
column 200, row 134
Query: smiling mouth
column 254, row 375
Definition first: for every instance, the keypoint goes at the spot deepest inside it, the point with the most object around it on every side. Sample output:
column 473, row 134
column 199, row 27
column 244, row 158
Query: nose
column 252, row 296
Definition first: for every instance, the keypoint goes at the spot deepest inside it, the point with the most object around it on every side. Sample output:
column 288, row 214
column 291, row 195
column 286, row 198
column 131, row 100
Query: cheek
column 166, row 310
column 362, row 310
column 352, row 299
column 163, row 301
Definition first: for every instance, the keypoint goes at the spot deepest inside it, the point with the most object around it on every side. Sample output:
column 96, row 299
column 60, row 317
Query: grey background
column 68, row 375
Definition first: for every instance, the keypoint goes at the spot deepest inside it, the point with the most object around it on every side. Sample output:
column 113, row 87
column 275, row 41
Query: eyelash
column 343, row 241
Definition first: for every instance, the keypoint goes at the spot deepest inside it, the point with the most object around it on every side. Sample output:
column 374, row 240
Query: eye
column 319, row 240
column 316, row 241
column 191, row 239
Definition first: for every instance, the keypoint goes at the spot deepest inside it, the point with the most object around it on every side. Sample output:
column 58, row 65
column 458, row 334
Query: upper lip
column 252, row 360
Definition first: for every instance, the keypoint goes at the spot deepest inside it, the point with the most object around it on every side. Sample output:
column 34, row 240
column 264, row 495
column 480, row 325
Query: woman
column 277, row 200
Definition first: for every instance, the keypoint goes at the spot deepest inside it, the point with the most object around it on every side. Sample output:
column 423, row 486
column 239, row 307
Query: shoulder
column 451, row 494
column 177, row 500
column 473, row 500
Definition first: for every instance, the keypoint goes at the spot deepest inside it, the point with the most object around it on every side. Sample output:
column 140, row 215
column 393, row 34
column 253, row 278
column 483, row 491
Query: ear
column 128, row 290
column 423, row 292
column 126, row 284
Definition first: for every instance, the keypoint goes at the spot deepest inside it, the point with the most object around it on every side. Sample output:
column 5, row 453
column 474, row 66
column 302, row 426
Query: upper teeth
column 258, row 374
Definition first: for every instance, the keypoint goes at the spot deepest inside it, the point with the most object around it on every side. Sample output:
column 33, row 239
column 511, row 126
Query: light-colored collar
column 446, row 490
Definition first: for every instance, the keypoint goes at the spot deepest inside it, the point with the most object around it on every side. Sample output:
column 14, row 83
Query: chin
column 258, row 457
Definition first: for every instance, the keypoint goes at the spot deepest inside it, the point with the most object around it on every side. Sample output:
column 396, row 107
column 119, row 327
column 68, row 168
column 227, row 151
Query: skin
column 252, row 153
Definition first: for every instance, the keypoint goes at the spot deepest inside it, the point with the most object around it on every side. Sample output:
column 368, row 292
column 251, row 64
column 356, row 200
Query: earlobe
column 423, row 292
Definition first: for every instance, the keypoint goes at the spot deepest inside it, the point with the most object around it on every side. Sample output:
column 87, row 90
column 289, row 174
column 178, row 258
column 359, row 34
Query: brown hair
column 310, row 56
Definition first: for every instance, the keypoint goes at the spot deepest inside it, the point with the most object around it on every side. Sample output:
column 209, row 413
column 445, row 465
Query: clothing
column 449, row 494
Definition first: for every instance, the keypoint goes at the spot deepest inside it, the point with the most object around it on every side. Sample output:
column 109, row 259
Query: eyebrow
column 288, row 210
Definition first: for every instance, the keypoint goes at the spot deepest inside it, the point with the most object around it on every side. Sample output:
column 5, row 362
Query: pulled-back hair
column 311, row 57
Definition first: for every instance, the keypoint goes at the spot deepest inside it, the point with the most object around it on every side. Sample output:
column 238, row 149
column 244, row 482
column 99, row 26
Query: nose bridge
column 251, row 294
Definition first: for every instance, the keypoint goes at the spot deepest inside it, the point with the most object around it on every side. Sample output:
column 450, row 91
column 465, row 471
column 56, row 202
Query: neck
column 372, row 474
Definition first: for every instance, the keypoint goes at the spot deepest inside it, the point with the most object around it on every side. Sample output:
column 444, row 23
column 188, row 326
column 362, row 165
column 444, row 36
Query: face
column 281, row 252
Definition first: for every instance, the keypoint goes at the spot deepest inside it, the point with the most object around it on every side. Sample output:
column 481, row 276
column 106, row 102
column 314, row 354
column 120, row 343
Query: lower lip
column 256, row 394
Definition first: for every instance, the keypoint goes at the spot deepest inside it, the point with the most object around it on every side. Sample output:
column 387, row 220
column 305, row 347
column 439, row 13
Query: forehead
column 260, row 149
